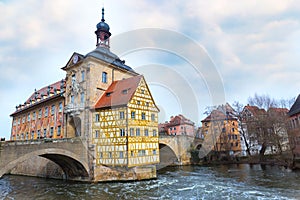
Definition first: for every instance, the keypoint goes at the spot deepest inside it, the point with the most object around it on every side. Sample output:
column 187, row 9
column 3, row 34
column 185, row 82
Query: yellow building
column 125, row 125
column 221, row 128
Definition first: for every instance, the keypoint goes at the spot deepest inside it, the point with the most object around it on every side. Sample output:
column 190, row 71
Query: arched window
column 104, row 77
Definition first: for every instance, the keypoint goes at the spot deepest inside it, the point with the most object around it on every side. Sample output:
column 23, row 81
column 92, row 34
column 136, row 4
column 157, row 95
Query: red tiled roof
column 119, row 92
column 180, row 119
column 44, row 90
column 255, row 111
column 38, row 95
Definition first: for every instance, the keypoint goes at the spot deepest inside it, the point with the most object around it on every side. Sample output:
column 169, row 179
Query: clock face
column 75, row 59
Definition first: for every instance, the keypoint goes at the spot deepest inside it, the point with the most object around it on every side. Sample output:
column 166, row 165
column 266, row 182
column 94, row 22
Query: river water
column 188, row 182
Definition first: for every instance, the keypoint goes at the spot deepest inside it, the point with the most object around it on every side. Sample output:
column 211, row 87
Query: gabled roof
column 179, row 119
column 254, row 110
column 119, row 93
column 295, row 109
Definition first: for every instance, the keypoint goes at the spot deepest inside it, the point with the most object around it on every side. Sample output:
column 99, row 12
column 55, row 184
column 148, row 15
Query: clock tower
column 102, row 33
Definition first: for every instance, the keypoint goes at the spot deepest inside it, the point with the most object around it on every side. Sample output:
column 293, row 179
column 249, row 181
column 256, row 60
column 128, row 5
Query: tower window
column 82, row 97
column 104, row 77
column 82, row 75
column 46, row 112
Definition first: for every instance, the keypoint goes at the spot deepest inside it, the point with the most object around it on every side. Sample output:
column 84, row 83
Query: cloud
column 253, row 44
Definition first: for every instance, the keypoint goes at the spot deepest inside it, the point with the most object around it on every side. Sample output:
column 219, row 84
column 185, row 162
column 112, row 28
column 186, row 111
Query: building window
column 154, row 151
column 143, row 91
column 142, row 152
column 101, row 155
column 39, row 134
column 40, row 113
column 82, row 75
column 19, row 120
column 58, row 130
column 122, row 132
column 146, row 132
column 131, row 153
column 82, row 97
column 109, row 155
column 232, row 129
column 121, row 154
column 73, row 79
column 97, row 134
column 138, row 133
column 132, row 115
column 60, row 106
column 32, row 135
column 46, row 112
column 152, row 117
column 147, row 104
column 28, row 117
column 33, row 115
column 97, row 118
column 154, row 133
column 143, row 116
column 72, row 99
column 104, row 77
column 27, row 135
column 51, row 132
column 23, row 119
column 122, row 115
column 52, row 109
column 45, row 133
column 131, row 131
column 138, row 102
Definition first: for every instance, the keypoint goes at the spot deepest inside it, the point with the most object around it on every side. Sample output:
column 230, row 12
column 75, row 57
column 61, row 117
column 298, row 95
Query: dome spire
column 102, row 20
column 102, row 33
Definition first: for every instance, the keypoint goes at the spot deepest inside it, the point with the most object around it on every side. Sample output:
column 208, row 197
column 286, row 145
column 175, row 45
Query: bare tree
column 238, row 107
column 268, row 126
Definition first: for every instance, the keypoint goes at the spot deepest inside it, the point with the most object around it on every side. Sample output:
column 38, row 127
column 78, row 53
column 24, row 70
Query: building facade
column 294, row 132
column 103, row 101
column 41, row 116
column 220, row 127
column 178, row 125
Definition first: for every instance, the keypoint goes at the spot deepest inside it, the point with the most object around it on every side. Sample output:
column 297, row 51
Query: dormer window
column 108, row 94
column 125, row 91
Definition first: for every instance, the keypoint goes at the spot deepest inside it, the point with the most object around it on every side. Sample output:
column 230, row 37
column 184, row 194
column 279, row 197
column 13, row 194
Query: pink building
column 178, row 125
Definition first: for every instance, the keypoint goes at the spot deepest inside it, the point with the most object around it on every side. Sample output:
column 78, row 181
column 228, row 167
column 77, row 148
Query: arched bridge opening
column 167, row 156
column 72, row 165
column 72, row 168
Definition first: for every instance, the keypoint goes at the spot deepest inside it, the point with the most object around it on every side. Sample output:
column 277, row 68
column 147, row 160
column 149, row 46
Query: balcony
column 74, row 109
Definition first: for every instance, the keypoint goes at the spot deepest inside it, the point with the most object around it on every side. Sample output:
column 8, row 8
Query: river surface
column 188, row 182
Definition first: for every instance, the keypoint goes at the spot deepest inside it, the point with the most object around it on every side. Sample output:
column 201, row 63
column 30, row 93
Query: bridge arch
column 69, row 162
column 167, row 155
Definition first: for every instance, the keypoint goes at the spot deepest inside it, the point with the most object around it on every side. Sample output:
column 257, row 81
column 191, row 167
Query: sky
column 193, row 54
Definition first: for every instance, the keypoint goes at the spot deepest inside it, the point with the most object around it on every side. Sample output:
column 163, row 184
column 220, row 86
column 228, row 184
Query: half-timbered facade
column 125, row 125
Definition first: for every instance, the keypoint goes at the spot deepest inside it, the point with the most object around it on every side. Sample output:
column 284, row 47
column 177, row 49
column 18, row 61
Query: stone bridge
column 176, row 150
column 70, row 154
